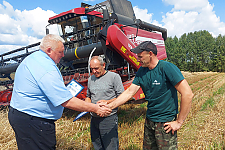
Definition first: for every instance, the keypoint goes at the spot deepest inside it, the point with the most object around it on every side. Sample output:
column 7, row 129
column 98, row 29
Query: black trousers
column 32, row 133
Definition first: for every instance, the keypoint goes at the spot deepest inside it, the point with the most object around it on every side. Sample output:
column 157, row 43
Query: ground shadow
column 132, row 114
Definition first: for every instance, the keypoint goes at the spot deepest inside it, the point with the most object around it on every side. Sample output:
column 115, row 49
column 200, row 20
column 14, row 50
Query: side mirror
column 47, row 31
column 105, row 15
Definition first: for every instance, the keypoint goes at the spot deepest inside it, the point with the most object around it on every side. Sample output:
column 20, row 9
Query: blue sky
column 23, row 21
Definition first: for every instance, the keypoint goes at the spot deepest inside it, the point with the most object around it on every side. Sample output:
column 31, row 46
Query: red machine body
column 95, row 31
column 5, row 97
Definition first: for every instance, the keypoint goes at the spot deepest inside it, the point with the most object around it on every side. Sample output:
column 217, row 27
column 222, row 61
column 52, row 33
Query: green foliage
column 143, row 105
column 216, row 145
column 221, row 90
column 122, row 113
column 132, row 147
column 196, row 52
column 208, row 103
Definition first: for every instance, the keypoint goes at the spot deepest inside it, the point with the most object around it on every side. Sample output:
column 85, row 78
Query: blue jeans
column 104, row 132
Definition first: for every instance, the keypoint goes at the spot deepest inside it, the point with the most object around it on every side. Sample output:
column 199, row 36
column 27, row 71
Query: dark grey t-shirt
column 106, row 87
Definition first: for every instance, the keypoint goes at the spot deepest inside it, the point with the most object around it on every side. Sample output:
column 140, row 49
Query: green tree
column 219, row 54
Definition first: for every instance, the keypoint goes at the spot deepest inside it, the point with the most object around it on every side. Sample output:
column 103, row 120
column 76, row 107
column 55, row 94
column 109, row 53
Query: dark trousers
column 104, row 132
column 32, row 133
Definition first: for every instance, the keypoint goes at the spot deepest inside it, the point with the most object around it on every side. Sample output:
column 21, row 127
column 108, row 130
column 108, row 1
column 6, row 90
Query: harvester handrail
column 18, row 56
column 20, row 49
column 84, row 29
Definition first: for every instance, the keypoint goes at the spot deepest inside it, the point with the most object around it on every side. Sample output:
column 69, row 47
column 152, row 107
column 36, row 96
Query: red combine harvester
column 109, row 29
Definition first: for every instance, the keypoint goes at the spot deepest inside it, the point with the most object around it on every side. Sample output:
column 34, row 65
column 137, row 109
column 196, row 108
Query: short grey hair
column 50, row 40
column 100, row 59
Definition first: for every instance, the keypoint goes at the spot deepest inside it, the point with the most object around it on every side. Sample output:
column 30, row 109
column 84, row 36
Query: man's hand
column 103, row 110
column 174, row 126
column 102, row 102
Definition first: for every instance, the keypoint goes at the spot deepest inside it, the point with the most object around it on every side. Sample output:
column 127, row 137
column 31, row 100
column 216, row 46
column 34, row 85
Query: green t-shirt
column 158, row 87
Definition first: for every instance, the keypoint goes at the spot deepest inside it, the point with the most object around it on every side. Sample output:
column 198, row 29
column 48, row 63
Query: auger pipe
column 9, row 68
column 82, row 52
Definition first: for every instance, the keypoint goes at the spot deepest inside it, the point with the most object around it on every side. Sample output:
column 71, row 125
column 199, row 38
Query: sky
column 23, row 22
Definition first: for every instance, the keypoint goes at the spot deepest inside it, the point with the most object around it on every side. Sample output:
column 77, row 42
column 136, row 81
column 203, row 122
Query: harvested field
column 205, row 125
column 203, row 129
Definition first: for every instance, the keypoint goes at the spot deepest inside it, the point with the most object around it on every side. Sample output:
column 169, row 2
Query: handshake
column 103, row 108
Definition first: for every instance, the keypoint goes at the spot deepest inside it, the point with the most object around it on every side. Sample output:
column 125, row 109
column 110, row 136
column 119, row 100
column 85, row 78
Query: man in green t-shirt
column 160, row 81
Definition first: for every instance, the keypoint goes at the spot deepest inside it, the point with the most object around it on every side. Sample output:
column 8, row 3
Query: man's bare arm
column 125, row 96
column 186, row 98
column 106, row 101
column 87, row 99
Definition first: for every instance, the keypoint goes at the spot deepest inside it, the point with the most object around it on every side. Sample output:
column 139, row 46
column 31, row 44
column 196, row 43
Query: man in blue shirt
column 160, row 81
column 39, row 97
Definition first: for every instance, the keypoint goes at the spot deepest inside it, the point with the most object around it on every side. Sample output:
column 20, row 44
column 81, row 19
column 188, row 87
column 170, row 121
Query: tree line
column 197, row 51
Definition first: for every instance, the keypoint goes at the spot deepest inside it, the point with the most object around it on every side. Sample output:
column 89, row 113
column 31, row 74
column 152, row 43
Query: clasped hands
column 103, row 110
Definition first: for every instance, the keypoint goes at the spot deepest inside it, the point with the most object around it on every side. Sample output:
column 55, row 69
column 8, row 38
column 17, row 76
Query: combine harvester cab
column 109, row 29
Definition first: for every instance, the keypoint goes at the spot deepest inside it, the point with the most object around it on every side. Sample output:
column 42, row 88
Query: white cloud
column 186, row 16
column 22, row 27
column 34, row 20
column 7, row 25
column 4, row 48
column 143, row 15
column 6, row 8
column 190, row 16
column 180, row 22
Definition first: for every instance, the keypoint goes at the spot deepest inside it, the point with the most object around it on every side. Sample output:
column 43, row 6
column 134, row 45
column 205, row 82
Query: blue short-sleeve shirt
column 39, row 89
